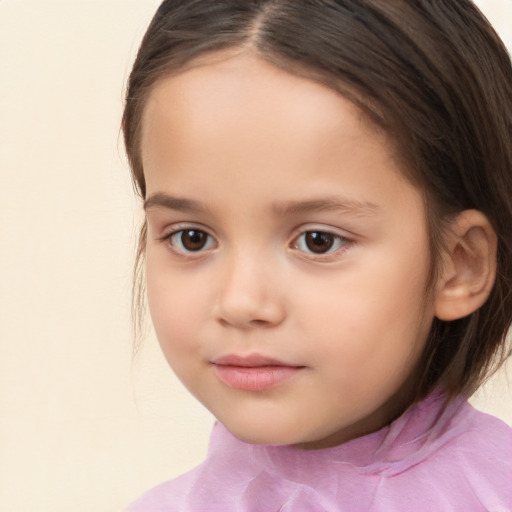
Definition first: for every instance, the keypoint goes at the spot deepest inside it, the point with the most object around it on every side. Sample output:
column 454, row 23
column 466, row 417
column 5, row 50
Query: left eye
column 319, row 242
column 191, row 240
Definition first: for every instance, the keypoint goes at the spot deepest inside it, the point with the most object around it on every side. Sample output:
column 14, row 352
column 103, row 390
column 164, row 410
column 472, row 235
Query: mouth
column 253, row 372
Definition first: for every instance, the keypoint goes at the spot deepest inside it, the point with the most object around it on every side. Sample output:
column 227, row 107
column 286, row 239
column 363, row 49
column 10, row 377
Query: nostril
column 251, row 324
column 259, row 323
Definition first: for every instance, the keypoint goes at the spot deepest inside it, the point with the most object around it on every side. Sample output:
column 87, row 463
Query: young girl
column 328, row 248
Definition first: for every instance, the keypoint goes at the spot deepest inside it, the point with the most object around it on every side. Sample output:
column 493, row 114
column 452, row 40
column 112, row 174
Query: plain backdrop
column 82, row 427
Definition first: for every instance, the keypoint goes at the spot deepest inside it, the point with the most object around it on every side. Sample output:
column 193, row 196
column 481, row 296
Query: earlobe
column 469, row 266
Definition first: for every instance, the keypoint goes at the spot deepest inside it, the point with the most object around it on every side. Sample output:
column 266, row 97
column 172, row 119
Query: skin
column 261, row 156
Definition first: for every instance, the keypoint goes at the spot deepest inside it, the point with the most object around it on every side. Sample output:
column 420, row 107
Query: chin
column 253, row 436
column 270, row 434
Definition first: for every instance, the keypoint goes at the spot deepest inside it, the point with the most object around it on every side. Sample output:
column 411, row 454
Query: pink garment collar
column 420, row 431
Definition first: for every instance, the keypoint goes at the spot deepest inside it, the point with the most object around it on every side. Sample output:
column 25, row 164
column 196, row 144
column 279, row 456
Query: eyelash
column 169, row 240
column 338, row 243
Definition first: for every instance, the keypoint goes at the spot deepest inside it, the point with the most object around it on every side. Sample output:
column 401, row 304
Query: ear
column 469, row 266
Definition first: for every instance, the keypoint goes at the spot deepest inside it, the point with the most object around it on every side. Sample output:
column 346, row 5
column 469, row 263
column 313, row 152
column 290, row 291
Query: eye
column 188, row 241
column 319, row 242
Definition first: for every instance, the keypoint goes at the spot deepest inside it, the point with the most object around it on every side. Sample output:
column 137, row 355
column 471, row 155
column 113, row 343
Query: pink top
column 452, row 460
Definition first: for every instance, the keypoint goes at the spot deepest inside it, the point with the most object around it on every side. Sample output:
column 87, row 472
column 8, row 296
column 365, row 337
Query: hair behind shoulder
column 433, row 74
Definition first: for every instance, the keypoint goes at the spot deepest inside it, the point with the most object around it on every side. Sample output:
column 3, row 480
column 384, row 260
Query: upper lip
column 248, row 361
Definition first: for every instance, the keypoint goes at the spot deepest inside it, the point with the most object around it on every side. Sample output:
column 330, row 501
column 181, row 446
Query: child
column 327, row 248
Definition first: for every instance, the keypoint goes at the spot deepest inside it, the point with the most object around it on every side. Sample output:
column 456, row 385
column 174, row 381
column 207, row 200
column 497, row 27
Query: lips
column 253, row 372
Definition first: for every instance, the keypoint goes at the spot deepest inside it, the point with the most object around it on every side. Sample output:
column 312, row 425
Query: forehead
column 236, row 118
column 244, row 88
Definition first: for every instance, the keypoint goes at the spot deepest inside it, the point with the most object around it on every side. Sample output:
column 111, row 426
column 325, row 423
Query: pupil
column 193, row 240
column 319, row 242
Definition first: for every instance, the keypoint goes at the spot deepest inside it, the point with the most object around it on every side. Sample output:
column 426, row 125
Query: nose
column 249, row 295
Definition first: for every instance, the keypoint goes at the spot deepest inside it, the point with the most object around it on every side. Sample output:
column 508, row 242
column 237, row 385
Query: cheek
column 373, row 313
column 174, row 305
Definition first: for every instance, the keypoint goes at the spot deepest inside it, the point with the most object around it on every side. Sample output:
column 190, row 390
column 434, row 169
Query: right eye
column 187, row 241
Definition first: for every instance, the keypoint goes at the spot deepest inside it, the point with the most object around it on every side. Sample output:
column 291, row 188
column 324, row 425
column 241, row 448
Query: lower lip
column 258, row 378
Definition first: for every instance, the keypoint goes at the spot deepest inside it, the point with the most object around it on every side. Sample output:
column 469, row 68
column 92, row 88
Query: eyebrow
column 331, row 203
column 284, row 209
column 159, row 199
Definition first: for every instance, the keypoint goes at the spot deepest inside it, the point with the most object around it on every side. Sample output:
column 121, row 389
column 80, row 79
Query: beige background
column 81, row 429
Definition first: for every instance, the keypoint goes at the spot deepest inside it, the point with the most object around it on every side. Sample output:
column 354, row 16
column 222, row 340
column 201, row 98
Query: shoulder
column 168, row 496
column 479, row 438
column 464, row 455
column 484, row 435
column 199, row 488
column 479, row 457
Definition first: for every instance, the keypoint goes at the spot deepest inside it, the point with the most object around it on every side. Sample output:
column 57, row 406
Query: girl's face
column 287, row 258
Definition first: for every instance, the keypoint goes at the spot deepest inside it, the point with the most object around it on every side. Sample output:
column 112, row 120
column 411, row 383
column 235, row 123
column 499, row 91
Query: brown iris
column 193, row 239
column 319, row 242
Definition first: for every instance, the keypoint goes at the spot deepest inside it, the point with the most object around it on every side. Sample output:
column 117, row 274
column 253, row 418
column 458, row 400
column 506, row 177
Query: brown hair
column 432, row 73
